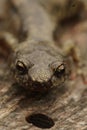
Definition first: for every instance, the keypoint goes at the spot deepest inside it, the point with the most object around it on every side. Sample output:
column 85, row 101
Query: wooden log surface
column 16, row 105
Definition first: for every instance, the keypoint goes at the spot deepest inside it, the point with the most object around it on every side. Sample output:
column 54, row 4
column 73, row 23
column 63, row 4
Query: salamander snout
column 39, row 70
column 40, row 73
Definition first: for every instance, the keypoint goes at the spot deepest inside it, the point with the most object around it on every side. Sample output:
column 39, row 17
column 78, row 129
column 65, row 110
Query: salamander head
column 38, row 70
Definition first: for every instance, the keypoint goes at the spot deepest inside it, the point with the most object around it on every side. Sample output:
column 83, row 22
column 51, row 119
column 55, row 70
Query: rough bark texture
column 16, row 105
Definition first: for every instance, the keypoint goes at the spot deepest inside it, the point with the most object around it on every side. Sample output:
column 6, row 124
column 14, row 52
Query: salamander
column 37, row 63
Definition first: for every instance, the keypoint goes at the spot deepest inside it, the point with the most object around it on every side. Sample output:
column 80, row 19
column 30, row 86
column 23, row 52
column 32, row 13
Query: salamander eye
column 20, row 66
column 60, row 70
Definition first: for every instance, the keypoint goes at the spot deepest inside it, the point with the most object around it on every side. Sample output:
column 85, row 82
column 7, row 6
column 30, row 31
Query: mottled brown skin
column 37, row 63
column 38, row 67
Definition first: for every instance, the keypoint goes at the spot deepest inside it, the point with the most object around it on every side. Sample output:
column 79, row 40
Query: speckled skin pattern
column 37, row 63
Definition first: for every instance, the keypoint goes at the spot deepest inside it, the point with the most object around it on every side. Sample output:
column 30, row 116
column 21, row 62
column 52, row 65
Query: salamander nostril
column 40, row 120
column 38, row 84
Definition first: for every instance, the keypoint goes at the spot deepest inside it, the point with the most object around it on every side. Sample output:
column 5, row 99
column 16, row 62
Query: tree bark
column 16, row 104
